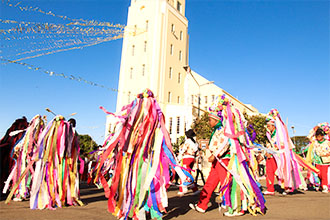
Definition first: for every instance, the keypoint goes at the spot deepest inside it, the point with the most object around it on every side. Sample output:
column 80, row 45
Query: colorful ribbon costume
column 7, row 144
column 313, row 157
column 135, row 161
column 22, row 154
column 288, row 162
column 53, row 160
column 240, row 191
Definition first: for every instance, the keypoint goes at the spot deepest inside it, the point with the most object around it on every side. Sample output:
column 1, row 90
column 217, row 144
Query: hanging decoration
column 52, row 73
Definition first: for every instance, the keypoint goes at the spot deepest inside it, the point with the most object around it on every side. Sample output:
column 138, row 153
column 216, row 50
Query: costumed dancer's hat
column 272, row 115
column 324, row 126
column 215, row 110
column 146, row 94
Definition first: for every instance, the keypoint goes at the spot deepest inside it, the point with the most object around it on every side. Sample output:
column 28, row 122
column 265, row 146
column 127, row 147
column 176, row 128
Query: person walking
column 187, row 152
column 239, row 191
column 285, row 163
column 199, row 169
column 319, row 154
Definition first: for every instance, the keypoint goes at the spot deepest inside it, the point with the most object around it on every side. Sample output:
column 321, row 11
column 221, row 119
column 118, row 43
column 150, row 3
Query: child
column 322, row 158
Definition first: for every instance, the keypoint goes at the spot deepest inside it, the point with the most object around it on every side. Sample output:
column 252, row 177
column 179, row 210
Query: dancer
column 134, row 162
column 22, row 155
column 271, row 165
column 319, row 154
column 239, row 190
column 322, row 150
column 54, row 162
column 7, row 143
column 187, row 152
column 286, row 163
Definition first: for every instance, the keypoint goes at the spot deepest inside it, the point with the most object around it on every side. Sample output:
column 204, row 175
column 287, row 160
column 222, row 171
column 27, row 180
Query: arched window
column 129, row 97
column 170, row 128
column 143, row 69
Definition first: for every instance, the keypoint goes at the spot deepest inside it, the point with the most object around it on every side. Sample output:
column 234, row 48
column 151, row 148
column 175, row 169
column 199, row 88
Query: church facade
column 155, row 56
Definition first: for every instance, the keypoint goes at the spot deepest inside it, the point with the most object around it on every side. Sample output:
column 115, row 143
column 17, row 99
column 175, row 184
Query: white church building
column 155, row 56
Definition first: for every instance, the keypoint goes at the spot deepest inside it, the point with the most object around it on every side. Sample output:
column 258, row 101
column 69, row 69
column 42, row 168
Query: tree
column 300, row 142
column 259, row 125
column 87, row 144
column 175, row 146
column 202, row 127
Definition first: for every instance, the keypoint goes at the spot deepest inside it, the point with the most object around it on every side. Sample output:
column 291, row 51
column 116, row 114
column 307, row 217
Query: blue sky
column 271, row 54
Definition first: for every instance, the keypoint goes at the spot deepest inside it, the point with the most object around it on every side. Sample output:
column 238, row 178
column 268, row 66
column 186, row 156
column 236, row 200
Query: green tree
column 175, row 146
column 202, row 127
column 87, row 144
column 259, row 124
column 300, row 142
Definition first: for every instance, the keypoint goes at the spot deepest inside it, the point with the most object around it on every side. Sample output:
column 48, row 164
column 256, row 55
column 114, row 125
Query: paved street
column 302, row 205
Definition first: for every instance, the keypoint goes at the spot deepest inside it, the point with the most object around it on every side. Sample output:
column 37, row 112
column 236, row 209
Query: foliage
column 176, row 146
column 259, row 124
column 87, row 144
column 201, row 127
column 300, row 142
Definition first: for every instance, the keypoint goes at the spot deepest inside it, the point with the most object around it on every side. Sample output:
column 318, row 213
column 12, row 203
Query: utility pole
column 293, row 131
column 188, row 70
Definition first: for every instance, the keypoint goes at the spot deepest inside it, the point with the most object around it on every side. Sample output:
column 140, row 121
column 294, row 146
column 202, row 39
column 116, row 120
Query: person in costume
column 53, row 156
column 73, row 123
column 7, row 143
column 322, row 151
column 319, row 154
column 239, row 191
column 22, row 155
column 187, row 152
column 134, row 162
column 271, row 165
column 285, row 163
column 218, row 172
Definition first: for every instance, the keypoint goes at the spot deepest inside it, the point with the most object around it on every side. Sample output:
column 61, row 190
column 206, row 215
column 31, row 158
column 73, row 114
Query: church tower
column 154, row 52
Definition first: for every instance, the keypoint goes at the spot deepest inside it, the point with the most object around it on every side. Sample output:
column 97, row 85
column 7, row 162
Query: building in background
column 155, row 56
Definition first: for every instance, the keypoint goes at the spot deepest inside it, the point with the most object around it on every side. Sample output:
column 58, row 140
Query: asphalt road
column 301, row 205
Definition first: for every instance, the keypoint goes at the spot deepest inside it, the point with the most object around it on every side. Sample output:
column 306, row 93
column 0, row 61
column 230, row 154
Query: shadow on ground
column 178, row 206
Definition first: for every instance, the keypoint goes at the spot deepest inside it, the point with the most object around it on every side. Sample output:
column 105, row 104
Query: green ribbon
column 218, row 125
column 273, row 134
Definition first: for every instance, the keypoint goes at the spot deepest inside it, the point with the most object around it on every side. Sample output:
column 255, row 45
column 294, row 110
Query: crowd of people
column 277, row 160
column 141, row 141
